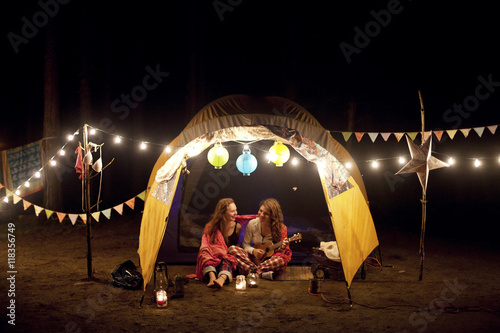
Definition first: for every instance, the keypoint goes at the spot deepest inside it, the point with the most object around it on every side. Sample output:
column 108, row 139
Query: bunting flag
column 38, row 209
column 465, row 131
column 142, row 195
column 61, row 216
column 130, row 203
column 479, row 131
column 95, row 215
column 451, row 133
column 373, row 136
column 107, row 213
column 119, row 208
column 49, row 212
column 385, row 136
column 72, row 218
column 26, row 204
column 439, row 134
column 359, row 135
column 83, row 217
column 16, row 199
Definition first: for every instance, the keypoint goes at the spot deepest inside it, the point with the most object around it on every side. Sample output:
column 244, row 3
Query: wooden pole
column 86, row 200
column 424, row 196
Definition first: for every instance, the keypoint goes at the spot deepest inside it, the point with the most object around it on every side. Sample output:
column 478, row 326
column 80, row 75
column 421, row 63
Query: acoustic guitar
column 269, row 248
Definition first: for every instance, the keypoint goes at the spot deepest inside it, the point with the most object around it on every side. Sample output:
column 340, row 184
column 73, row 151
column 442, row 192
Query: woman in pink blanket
column 214, row 264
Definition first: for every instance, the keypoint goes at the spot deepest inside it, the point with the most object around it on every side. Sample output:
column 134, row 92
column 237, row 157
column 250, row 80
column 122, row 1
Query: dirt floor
column 459, row 291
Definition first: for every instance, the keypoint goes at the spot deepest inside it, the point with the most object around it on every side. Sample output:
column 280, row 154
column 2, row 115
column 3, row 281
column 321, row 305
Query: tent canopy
column 240, row 118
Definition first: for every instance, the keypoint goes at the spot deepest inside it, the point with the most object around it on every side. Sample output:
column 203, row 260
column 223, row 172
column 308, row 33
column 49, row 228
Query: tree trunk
column 51, row 126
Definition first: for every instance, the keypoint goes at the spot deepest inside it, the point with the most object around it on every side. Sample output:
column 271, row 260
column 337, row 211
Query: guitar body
column 268, row 252
column 269, row 248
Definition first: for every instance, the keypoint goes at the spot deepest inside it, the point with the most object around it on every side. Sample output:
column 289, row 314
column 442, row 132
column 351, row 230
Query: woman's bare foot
column 221, row 280
column 211, row 276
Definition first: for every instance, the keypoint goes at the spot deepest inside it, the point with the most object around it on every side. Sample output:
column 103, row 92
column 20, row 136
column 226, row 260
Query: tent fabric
column 245, row 118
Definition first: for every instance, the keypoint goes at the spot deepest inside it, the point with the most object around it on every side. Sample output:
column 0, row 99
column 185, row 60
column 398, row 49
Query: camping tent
column 241, row 118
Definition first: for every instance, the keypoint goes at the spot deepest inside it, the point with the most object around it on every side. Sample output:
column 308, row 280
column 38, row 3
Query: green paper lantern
column 218, row 156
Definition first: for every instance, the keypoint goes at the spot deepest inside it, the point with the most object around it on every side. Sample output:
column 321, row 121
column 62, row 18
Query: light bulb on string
column 27, row 184
column 6, row 199
column 92, row 131
column 348, row 165
column 402, row 160
column 477, row 163
column 37, row 174
column 71, row 137
column 168, row 149
column 118, row 139
column 53, row 162
column 143, row 145
column 451, row 161
column 295, row 161
column 375, row 164
column 18, row 192
column 62, row 152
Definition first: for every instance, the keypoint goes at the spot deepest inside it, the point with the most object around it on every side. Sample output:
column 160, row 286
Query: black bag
column 127, row 276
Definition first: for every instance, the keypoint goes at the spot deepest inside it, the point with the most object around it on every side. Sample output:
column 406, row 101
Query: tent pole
column 424, row 196
column 86, row 198
column 348, row 293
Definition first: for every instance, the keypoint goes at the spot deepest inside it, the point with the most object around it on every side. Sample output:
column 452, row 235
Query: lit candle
column 241, row 283
column 161, row 298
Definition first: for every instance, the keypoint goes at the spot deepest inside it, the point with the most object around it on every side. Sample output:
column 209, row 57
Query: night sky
column 367, row 59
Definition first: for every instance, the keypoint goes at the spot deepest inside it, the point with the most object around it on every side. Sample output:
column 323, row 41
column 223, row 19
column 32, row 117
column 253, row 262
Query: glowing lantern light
column 161, row 285
column 246, row 162
column 279, row 153
column 218, row 156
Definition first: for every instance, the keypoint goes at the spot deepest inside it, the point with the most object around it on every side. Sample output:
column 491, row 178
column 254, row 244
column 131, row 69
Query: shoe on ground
column 268, row 275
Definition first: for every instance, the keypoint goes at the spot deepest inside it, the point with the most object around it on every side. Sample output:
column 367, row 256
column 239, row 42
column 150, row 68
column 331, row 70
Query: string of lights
column 142, row 145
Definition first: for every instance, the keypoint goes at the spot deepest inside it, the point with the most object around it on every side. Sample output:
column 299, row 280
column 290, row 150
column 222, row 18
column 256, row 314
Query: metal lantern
column 218, row 155
column 253, row 278
column 246, row 162
column 161, row 285
column 279, row 153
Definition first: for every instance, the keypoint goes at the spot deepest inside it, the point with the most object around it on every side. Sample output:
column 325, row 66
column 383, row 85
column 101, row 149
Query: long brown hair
column 218, row 217
column 276, row 217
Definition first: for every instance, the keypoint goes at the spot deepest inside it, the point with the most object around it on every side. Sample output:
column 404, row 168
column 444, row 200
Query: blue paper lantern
column 246, row 163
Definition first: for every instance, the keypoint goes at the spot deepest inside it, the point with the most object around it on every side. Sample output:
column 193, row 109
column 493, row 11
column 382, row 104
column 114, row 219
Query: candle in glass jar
column 241, row 283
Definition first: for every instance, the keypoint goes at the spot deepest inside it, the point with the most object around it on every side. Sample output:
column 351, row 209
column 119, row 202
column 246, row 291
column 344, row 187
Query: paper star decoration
column 421, row 161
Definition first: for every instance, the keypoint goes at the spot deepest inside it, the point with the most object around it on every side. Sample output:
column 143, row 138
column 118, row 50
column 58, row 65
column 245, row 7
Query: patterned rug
column 295, row 273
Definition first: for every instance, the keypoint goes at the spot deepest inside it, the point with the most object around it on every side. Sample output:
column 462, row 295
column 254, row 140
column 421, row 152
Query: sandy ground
column 459, row 291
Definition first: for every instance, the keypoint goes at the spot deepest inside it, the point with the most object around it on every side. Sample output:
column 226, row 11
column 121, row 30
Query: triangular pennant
column 359, row 135
column 1, row 186
column 399, row 135
column 95, row 215
column 412, row 135
column 438, row 134
column 73, row 218
column 130, row 203
column 493, row 128
column 37, row 209
column 373, row 136
column 119, row 208
column 479, row 130
column 465, row 131
column 26, row 204
column 84, row 218
column 451, row 133
column 49, row 212
column 385, row 135
column 346, row 135
column 16, row 198
column 61, row 216
column 427, row 135
column 142, row 195
column 107, row 213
